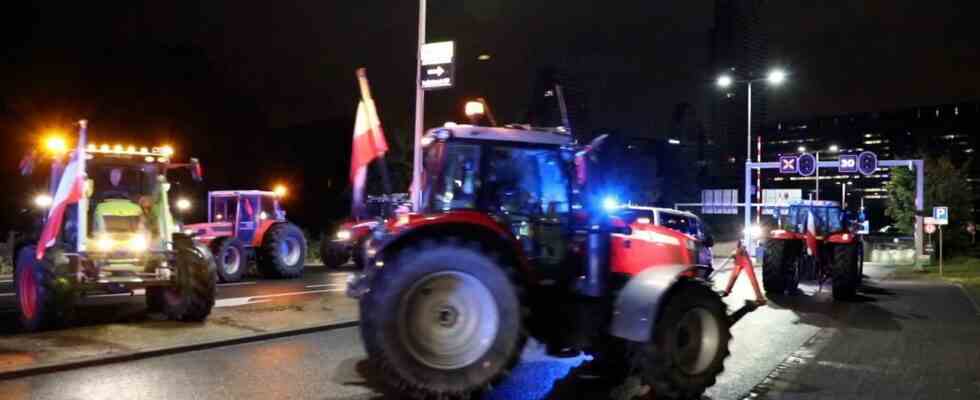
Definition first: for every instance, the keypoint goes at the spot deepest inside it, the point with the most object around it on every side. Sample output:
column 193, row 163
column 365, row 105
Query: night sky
column 265, row 92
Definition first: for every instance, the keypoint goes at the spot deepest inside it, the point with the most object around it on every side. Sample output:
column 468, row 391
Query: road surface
column 329, row 365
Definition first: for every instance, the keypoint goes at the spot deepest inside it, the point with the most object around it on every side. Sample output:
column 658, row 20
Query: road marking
column 240, row 301
column 326, row 285
column 6, row 280
column 137, row 292
column 7, row 294
column 237, row 283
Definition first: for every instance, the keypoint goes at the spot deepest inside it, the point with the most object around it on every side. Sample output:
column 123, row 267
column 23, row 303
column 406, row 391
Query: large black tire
column 779, row 265
column 478, row 311
column 333, row 255
column 845, row 271
column 674, row 363
column 229, row 258
column 191, row 297
column 44, row 301
column 283, row 252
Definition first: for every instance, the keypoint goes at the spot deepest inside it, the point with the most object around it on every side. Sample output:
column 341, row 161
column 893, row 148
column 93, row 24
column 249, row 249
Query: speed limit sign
column 930, row 228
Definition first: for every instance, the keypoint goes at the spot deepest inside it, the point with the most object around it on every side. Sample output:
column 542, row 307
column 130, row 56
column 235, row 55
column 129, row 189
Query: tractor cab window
column 224, row 209
column 527, row 181
column 453, row 179
column 268, row 208
column 121, row 181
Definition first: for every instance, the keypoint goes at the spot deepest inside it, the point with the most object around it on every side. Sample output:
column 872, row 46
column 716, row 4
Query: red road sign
column 930, row 228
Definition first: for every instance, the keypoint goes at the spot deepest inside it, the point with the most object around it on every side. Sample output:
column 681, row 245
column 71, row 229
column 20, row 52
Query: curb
column 976, row 307
column 163, row 351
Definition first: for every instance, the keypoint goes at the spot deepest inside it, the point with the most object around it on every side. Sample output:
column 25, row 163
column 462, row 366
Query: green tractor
column 109, row 229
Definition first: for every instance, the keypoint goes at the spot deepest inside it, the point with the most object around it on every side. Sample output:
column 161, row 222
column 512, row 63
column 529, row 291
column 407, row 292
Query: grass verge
column 963, row 270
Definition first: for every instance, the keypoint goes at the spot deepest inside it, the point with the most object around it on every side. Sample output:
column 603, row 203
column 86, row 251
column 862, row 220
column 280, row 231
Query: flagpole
column 419, row 112
column 82, row 207
column 362, row 82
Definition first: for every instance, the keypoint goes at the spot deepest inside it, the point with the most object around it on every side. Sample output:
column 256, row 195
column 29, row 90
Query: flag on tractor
column 369, row 143
column 69, row 191
column 811, row 234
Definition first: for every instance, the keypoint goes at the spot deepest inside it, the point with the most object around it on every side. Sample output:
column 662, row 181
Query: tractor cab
column 242, row 213
column 520, row 178
column 826, row 217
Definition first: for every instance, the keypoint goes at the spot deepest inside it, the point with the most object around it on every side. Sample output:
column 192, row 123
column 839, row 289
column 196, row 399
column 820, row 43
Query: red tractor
column 512, row 241
column 245, row 225
column 347, row 242
column 815, row 241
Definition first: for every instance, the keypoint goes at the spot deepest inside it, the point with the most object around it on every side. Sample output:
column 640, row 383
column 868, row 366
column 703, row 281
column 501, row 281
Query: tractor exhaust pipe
column 594, row 281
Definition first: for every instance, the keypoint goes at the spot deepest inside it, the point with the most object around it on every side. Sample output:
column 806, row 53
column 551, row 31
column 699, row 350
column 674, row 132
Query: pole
column 817, row 168
column 920, row 180
column 419, row 112
column 748, row 159
column 748, row 208
column 940, row 250
column 563, row 108
column 82, row 208
column 758, row 180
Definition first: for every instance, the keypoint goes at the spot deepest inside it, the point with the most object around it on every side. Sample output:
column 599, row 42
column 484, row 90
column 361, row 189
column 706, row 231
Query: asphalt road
column 329, row 365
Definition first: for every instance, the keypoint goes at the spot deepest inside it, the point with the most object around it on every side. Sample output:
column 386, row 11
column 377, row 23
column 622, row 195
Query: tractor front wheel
column 229, row 256
column 442, row 322
column 192, row 294
column 44, row 301
column 283, row 252
column 780, row 265
column 689, row 344
column 333, row 255
column 845, row 271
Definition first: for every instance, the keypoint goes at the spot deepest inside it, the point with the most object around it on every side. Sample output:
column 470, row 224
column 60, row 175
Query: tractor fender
column 638, row 304
column 261, row 230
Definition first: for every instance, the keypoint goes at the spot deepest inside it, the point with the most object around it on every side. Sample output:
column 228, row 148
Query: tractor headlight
column 343, row 234
column 138, row 244
column 105, row 244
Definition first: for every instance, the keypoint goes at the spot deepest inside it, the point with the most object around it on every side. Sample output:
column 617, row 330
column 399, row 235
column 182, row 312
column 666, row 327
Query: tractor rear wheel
column 44, row 301
column 191, row 297
column 689, row 345
column 229, row 257
column 845, row 271
column 780, row 264
column 283, row 252
column 442, row 322
column 333, row 255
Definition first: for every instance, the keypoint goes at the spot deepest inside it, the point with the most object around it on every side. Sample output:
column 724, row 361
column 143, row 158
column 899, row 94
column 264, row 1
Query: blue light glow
column 610, row 203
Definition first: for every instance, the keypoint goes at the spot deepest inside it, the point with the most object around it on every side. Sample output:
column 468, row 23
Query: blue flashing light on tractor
column 610, row 203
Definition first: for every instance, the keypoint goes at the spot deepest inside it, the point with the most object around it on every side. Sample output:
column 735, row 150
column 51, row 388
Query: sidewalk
column 915, row 339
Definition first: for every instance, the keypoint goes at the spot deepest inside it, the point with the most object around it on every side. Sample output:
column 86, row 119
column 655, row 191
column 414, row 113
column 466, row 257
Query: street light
column 183, row 205
column 43, row 201
column 775, row 77
column 833, row 148
column 801, row 149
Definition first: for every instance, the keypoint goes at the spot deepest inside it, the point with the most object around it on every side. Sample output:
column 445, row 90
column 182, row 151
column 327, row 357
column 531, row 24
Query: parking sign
column 941, row 215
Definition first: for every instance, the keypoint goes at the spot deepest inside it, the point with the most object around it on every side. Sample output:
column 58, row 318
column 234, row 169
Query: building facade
column 947, row 129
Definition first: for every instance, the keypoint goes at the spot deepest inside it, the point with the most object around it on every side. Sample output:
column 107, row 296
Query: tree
column 946, row 185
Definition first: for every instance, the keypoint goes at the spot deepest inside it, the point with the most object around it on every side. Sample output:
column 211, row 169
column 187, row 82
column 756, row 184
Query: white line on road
column 237, row 283
column 240, row 301
column 7, row 294
column 326, row 285
column 6, row 280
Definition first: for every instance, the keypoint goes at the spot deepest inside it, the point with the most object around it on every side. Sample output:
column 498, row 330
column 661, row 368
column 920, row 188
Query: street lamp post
column 775, row 77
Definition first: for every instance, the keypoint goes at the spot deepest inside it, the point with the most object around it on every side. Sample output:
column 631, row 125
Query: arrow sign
column 788, row 165
column 437, row 71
